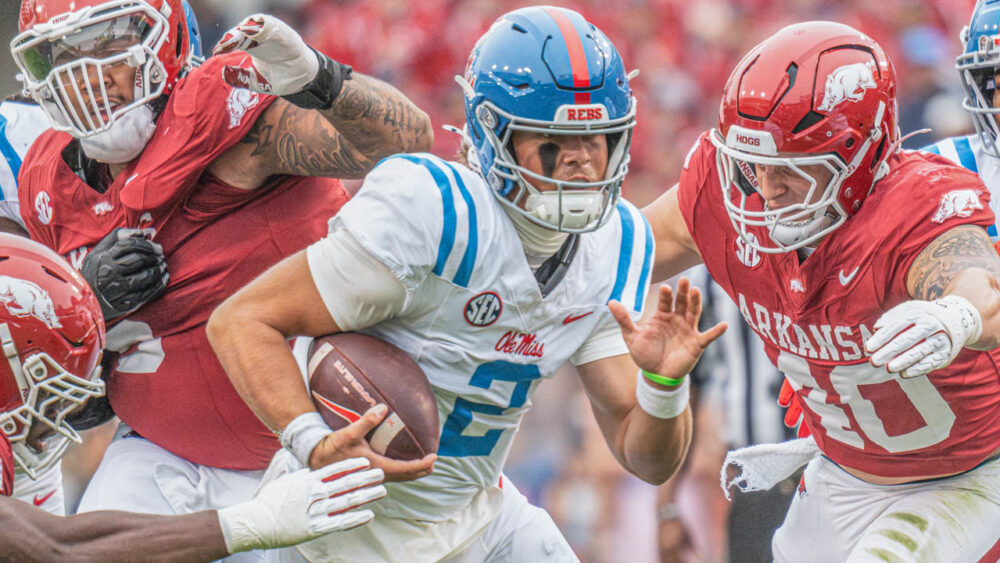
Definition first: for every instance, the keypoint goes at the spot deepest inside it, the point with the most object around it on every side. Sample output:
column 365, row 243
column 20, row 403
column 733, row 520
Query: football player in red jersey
column 52, row 333
column 225, row 179
column 868, row 274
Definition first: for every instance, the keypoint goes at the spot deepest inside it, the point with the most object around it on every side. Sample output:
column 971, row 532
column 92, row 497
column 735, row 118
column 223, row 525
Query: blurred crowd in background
column 684, row 51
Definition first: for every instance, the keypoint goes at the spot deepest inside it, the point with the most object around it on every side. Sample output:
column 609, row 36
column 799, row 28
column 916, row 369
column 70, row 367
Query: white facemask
column 125, row 140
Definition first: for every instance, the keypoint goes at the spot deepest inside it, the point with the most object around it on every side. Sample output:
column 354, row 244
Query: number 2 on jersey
column 453, row 443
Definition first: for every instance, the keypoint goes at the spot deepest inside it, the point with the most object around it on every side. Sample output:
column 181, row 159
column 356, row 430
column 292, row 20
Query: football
column 351, row 372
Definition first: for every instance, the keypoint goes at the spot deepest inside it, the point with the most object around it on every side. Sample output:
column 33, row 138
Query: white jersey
column 44, row 491
column 970, row 153
column 474, row 318
column 20, row 124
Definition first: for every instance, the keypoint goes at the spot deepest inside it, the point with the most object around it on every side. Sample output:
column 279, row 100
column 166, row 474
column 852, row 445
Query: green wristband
column 661, row 379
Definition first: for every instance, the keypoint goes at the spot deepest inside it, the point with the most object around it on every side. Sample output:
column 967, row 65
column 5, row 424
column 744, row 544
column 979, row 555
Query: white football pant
column 838, row 517
column 138, row 476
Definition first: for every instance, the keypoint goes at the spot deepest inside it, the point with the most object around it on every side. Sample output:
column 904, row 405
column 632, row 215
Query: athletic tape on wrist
column 303, row 434
column 661, row 403
column 967, row 316
column 237, row 530
column 324, row 89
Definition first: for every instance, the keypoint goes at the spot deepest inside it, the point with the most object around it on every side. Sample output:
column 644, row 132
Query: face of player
column 117, row 78
column 40, row 432
column 575, row 158
column 782, row 186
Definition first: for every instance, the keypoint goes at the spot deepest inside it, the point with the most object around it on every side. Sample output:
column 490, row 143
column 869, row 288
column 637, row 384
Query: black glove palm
column 125, row 270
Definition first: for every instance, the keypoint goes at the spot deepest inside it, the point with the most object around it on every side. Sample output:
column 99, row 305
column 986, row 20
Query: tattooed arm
column 962, row 262
column 368, row 121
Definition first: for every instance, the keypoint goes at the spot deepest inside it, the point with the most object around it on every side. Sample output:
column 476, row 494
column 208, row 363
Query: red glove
column 793, row 415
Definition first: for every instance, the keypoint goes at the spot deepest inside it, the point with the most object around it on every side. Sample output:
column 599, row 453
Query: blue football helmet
column 547, row 70
column 978, row 64
column 194, row 33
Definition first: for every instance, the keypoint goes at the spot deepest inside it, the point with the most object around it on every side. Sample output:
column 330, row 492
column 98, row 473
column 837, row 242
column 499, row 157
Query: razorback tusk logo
column 957, row 203
column 847, row 83
column 25, row 299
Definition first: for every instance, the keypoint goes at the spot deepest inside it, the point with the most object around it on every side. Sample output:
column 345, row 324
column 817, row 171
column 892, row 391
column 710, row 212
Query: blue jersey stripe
column 448, row 202
column 625, row 255
column 932, row 148
column 965, row 155
column 992, row 231
column 461, row 278
column 8, row 152
column 647, row 265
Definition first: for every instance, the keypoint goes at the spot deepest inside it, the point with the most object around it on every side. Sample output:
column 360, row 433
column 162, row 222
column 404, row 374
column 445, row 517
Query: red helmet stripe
column 577, row 56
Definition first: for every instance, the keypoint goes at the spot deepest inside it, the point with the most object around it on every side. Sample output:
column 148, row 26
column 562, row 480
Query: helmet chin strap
column 789, row 235
column 578, row 209
column 125, row 140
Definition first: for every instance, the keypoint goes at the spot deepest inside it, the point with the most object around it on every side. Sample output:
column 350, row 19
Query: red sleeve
column 932, row 204
column 699, row 164
column 203, row 118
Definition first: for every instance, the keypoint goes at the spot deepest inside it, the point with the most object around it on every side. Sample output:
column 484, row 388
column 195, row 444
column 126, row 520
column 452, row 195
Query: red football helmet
column 64, row 42
column 52, row 334
column 814, row 93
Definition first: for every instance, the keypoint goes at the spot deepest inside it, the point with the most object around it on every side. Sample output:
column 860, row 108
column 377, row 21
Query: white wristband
column 661, row 403
column 303, row 434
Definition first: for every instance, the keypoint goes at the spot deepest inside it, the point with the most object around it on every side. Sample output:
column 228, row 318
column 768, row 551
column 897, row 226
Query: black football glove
column 125, row 270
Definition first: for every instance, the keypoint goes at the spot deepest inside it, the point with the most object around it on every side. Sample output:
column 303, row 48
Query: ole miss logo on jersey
column 483, row 309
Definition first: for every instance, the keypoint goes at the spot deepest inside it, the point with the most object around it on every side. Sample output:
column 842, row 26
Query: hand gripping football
column 351, row 372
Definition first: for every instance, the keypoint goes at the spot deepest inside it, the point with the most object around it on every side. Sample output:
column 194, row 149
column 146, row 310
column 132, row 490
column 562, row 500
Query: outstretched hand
column 350, row 442
column 668, row 343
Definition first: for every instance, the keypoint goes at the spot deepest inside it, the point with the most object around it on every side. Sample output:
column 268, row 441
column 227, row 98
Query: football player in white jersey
column 490, row 273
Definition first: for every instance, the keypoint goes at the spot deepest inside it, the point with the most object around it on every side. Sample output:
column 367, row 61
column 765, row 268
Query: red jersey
column 6, row 466
column 167, row 384
column 814, row 317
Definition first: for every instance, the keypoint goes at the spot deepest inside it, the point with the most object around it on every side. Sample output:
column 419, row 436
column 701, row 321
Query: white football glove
column 281, row 62
column 917, row 337
column 303, row 505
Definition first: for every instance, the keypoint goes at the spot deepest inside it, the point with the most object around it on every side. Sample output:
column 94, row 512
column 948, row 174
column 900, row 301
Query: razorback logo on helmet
column 239, row 102
column 957, row 203
column 847, row 83
column 25, row 299
column 596, row 113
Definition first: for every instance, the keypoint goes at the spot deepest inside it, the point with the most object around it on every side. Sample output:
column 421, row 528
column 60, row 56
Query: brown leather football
column 351, row 372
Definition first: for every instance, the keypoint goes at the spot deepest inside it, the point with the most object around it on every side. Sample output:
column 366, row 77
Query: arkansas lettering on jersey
column 814, row 317
column 167, row 384
column 6, row 466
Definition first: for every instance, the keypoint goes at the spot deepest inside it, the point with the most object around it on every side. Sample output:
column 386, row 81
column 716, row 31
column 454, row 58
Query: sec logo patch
column 483, row 309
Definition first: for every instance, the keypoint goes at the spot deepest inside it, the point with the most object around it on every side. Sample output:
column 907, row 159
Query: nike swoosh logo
column 844, row 280
column 571, row 318
column 130, row 178
column 41, row 501
column 342, row 412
